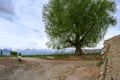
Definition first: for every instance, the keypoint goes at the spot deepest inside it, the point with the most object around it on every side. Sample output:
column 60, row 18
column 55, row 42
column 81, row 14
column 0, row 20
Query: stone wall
column 111, row 57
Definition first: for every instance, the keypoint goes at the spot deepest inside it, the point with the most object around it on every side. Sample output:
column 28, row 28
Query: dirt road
column 41, row 69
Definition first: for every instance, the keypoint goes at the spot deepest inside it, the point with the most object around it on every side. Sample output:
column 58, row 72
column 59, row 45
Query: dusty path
column 40, row 69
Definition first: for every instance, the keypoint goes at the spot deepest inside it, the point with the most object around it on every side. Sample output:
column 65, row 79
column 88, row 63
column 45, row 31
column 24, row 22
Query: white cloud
column 24, row 31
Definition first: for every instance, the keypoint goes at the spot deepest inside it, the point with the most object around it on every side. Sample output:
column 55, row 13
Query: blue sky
column 21, row 24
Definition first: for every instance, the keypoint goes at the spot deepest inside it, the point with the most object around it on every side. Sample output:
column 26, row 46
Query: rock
column 112, row 51
column 49, row 57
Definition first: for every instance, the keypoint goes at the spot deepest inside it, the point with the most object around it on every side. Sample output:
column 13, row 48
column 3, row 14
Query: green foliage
column 77, row 23
column 19, row 54
column 19, row 60
column 2, row 56
column 46, row 55
column 99, row 63
column 13, row 53
column 58, row 54
column 63, row 54
column 94, row 54
column 1, row 52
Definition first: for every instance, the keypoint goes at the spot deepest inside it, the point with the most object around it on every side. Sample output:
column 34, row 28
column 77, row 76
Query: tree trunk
column 78, row 51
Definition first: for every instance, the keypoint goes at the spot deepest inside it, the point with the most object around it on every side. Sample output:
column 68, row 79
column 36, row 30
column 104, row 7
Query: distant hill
column 47, row 51
column 52, row 51
column 5, row 51
column 35, row 51
column 92, row 50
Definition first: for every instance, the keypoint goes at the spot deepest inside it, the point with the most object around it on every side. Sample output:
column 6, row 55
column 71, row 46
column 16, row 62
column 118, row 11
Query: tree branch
column 70, row 41
column 86, row 33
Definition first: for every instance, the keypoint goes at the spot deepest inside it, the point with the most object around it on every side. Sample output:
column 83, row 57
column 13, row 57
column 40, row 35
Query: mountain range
column 47, row 51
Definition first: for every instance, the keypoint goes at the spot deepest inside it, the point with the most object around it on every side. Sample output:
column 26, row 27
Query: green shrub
column 19, row 59
column 13, row 53
column 19, row 54
column 99, row 63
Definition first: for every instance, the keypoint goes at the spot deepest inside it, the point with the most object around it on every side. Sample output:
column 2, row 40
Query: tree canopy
column 77, row 23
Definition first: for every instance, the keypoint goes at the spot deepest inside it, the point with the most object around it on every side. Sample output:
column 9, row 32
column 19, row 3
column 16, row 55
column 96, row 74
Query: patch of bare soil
column 41, row 69
column 7, row 67
column 78, row 58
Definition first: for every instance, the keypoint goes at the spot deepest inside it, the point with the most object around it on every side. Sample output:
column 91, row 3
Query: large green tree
column 77, row 23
